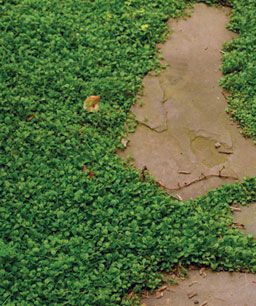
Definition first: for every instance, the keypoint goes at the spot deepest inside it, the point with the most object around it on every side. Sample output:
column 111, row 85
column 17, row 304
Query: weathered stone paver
column 184, row 136
column 190, row 145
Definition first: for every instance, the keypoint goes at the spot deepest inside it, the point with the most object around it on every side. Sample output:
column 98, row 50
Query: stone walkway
column 184, row 137
column 190, row 145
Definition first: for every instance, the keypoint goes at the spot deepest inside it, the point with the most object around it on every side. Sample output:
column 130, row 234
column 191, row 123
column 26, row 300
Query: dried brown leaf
column 91, row 104
column 159, row 295
column 193, row 283
column 239, row 225
column 202, row 272
column 163, row 288
column 84, row 169
column 124, row 142
column 91, row 174
column 192, row 294
column 233, row 208
column 30, row 117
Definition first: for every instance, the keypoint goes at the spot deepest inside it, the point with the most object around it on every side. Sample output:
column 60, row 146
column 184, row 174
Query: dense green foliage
column 75, row 235
column 240, row 66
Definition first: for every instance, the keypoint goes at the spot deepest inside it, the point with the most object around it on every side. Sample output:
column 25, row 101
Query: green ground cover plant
column 239, row 66
column 78, row 226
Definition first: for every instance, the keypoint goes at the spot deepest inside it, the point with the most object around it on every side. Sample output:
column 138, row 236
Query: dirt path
column 185, row 138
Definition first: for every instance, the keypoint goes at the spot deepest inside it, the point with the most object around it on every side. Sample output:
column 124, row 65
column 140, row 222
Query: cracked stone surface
column 210, row 289
column 247, row 217
column 184, row 132
column 153, row 114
